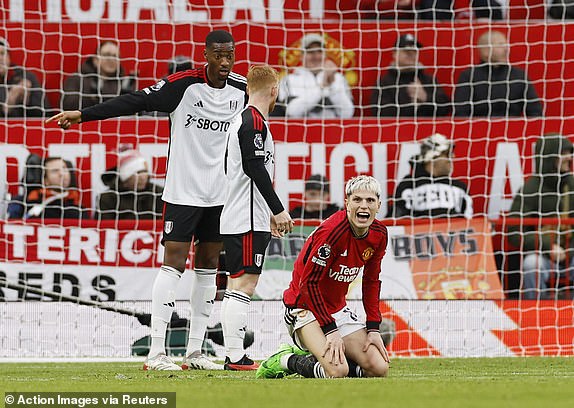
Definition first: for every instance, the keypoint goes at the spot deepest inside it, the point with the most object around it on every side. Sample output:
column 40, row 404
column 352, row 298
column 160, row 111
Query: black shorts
column 181, row 223
column 245, row 253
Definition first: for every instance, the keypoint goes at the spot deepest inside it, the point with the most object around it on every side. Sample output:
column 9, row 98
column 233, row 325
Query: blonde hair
column 261, row 77
column 364, row 183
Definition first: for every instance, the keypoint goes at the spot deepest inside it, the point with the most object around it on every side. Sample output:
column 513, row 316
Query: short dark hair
column 317, row 182
column 218, row 37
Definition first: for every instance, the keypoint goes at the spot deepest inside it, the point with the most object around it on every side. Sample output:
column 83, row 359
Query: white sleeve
column 340, row 95
column 300, row 96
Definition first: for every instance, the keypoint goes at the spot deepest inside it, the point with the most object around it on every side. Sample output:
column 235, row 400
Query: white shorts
column 347, row 322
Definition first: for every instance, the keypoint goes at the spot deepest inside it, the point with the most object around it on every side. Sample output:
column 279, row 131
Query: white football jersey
column 245, row 207
column 200, row 116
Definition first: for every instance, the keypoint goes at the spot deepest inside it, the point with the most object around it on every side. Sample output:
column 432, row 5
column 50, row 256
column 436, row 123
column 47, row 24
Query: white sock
column 234, row 324
column 162, row 305
column 318, row 371
column 224, row 303
column 202, row 298
column 283, row 361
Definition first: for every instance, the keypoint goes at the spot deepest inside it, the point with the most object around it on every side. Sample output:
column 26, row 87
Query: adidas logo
column 198, row 103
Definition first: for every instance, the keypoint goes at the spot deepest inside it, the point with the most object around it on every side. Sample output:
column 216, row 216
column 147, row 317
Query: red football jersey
column 330, row 260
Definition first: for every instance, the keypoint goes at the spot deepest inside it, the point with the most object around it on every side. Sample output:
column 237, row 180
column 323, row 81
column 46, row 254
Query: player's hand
column 334, row 349
column 283, row 223
column 274, row 231
column 66, row 119
column 374, row 338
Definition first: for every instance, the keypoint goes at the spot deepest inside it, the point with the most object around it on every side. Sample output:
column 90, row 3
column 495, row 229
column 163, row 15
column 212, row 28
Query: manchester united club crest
column 293, row 54
column 367, row 253
column 168, row 227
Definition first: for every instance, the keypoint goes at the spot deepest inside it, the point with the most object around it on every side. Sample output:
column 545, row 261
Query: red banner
column 454, row 260
column 338, row 149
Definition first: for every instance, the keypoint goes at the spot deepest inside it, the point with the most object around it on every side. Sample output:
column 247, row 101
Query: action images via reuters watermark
column 90, row 399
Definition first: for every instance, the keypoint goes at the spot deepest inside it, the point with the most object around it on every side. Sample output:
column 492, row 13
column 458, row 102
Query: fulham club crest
column 233, row 105
column 168, row 227
column 259, row 259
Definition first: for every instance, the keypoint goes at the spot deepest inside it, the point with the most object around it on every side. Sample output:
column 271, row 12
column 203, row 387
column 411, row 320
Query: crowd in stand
column 316, row 89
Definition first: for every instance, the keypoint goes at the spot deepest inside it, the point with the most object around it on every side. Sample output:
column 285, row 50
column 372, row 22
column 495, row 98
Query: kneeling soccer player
column 331, row 340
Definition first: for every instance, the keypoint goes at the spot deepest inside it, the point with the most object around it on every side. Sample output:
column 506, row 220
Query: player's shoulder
column 335, row 227
column 237, row 81
column 253, row 117
column 196, row 75
column 379, row 229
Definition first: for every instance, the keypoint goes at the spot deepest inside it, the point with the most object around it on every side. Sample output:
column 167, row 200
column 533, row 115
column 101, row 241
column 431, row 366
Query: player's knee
column 379, row 368
column 336, row 371
column 246, row 283
column 207, row 254
column 176, row 256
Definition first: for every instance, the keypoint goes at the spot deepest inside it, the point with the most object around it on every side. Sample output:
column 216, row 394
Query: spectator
column 131, row 195
column 448, row 10
column 316, row 89
column 317, row 200
column 561, row 9
column 58, row 197
column 21, row 94
column 101, row 78
column 429, row 191
column 406, row 89
column 495, row 88
column 179, row 63
column 549, row 192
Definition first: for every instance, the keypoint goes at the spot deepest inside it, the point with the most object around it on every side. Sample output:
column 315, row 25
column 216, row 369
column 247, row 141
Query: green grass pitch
column 417, row 382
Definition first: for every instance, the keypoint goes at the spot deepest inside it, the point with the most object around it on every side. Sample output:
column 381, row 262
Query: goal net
column 493, row 81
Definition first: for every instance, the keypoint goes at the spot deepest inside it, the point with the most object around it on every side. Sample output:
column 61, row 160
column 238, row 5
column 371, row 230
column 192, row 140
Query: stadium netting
column 452, row 287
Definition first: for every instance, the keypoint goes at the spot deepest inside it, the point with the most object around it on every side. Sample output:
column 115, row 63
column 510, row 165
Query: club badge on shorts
column 258, row 260
column 168, row 227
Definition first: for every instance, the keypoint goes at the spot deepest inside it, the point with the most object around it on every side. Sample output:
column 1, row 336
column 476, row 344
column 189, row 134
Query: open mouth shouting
column 363, row 216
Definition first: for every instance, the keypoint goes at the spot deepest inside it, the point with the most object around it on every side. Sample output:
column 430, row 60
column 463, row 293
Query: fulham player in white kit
column 201, row 104
column 252, row 210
